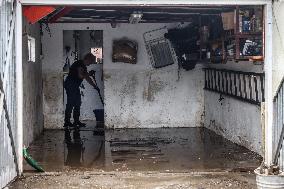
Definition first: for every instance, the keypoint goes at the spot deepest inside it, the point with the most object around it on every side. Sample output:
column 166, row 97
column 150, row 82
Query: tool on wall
column 67, row 60
column 47, row 29
column 97, row 38
column 41, row 34
column 76, row 37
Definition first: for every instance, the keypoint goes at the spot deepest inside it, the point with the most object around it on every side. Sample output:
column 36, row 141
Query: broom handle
column 99, row 92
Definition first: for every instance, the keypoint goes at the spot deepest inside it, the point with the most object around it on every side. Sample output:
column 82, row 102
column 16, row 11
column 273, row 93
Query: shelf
column 251, row 58
column 249, row 33
column 231, row 57
column 244, row 35
column 208, row 61
column 234, row 39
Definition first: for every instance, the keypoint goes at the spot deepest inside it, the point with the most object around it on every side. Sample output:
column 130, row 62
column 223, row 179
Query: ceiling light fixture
column 135, row 17
column 88, row 9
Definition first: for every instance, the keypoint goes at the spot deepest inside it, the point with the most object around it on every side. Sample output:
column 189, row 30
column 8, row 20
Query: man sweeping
column 77, row 73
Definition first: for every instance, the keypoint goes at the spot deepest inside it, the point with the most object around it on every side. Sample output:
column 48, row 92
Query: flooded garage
column 165, row 96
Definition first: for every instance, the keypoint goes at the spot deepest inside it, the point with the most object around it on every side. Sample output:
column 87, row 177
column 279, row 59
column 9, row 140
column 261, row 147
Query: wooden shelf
column 244, row 35
column 251, row 58
column 250, row 34
column 241, row 35
column 236, row 38
column 231, row 57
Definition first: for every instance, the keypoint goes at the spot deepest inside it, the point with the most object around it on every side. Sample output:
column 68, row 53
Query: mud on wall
column 32, row 85
column 135, row 95
column 154, row 98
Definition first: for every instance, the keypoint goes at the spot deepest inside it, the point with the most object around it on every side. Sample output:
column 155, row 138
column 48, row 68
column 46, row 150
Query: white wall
column 235, row 120
column 239, row 122
column 135, row 95
column 278, row 44
column 154, row 98
column 32, row 78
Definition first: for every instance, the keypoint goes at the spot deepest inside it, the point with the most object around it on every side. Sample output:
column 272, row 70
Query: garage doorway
column 121, row 145
column 160, row 68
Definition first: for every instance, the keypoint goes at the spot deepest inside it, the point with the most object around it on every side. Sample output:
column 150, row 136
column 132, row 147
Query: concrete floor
column 139, row 158
column 135, row 180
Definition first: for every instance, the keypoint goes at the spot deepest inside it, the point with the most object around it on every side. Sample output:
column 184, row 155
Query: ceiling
column 121, row 14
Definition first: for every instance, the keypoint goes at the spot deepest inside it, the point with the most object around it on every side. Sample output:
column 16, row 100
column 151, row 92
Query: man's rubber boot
column 68, row 124
column 79, row 124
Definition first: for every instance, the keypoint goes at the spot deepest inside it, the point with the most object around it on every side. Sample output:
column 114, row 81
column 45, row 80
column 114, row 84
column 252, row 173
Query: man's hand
column 92, row 73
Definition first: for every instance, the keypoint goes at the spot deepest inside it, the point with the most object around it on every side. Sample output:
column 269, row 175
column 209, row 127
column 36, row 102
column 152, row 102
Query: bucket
column 99, row 113
column 269, row 181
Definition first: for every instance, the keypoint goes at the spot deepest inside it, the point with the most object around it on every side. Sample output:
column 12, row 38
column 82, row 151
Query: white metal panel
column 19, row 85
column 8, row 159
column 268, row 86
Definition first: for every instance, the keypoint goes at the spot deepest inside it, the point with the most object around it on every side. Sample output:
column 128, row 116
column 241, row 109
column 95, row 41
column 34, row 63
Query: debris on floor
column 136, row 180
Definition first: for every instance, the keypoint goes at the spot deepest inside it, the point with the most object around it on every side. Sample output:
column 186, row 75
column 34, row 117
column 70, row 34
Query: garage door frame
column 268, row 53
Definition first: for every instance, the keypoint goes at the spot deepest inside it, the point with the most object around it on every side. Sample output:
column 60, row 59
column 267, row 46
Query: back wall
column 136, row 96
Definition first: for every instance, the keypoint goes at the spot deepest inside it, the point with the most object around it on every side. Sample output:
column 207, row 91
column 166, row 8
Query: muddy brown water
column 163, row 150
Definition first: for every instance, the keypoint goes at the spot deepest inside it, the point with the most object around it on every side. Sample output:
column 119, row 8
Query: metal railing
column 278, row 126
column 244, row 86
column 8, row 157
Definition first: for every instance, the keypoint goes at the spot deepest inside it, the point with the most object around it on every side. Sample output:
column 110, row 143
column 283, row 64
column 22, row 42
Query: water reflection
column 75, row 148
column 81, row 149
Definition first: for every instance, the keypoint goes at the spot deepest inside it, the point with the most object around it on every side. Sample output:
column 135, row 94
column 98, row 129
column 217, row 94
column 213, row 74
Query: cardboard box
column 228, row 19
